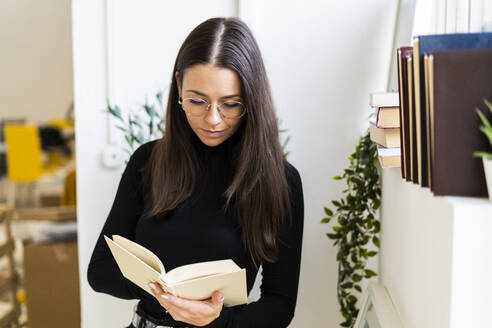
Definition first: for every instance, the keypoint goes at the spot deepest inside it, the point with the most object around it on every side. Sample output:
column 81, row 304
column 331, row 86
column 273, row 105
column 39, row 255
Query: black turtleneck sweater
column 200, row 230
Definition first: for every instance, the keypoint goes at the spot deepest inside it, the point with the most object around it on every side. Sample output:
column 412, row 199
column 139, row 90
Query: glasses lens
column 232, row 109
column 198, row 107
column 195, row 106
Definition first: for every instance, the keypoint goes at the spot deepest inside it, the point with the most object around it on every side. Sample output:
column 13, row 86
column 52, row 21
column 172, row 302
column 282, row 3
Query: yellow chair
column 23, row 152
column 69, row 196
column 24, row 165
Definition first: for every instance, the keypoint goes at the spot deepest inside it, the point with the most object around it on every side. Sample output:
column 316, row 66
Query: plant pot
column 487, row 167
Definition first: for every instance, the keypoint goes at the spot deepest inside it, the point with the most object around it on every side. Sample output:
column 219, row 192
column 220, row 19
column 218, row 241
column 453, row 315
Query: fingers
column 217, row 298
column 190, row 311
column 158, row 293
column 156, row 288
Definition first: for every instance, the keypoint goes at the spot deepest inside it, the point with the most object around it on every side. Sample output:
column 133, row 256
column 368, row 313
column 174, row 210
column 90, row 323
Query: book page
column 141, row 252
column 197, row 270
column 232, row 285
column 133, row 268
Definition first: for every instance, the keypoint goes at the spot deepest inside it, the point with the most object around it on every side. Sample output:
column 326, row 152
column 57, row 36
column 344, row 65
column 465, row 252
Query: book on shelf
column 384, row 99
column 412, row 122
column 406, row 169
column 424, row 45
column 195, row 281
column 387, row 117
column 388, row 138
column 389, row 157
column 458, row 81
column 428, row 89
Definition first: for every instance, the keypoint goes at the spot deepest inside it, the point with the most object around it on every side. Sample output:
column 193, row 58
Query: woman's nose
column 213, row 115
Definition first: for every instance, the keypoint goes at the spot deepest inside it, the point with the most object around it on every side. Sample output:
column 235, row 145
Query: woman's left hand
column 197, row 313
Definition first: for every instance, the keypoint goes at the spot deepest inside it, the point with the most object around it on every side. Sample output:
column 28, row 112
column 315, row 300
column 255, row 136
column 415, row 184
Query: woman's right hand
column 197, row 313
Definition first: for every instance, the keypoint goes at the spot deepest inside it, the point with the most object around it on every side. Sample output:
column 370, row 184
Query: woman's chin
column 212, row 142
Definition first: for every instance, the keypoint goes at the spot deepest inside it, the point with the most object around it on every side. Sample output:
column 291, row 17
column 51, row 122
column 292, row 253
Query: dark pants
column 164, row 322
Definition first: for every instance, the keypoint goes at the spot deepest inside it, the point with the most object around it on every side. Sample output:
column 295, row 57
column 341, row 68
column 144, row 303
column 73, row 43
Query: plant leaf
column 484, row 120
column 328, row 211
column 370, row 273
column 483, row 154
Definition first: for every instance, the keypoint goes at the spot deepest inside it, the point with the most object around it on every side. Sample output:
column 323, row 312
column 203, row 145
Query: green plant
column 486, row 128
column 286, row 141
column 138, row 129
column 357, row 225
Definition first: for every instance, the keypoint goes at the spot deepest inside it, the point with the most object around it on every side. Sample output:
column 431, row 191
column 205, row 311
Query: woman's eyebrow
column 204, row 95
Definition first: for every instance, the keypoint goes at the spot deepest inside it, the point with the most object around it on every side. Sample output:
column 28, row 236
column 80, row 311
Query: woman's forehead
column 212, row 81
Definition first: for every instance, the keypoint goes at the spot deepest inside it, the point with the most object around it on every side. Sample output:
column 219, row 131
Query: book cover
column 384, row 99
column 389, row 157
column 404, row 112
column 387, row 117
column 388, row 138
column 428, row 88
column 412, row 135
column 460, row 80
column 196, row 281
column 428, row 44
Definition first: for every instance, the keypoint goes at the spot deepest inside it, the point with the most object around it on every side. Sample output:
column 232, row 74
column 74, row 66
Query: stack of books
column 385, row 127
column 443, row 79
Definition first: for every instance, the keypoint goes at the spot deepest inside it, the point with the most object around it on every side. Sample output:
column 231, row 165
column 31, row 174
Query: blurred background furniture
column 9, row 306
column 39, row 163
column 39, row 277
column 48, row 239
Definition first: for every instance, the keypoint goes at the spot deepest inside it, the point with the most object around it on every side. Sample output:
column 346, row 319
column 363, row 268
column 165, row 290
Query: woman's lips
column 213, row 133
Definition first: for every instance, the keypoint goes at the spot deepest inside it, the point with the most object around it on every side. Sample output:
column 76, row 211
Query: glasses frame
column 181, row 100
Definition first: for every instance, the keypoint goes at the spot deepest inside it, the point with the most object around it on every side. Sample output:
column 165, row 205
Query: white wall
column 148, row 35
column 416, row 251
column 435, row 255
column 36, row 80
column 323, row 58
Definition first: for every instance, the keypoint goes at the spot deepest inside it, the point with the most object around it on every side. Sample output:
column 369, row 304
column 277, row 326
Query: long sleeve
column 276, row 306
column 103, row 273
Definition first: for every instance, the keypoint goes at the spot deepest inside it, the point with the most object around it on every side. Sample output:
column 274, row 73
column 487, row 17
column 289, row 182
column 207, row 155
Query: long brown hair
column 257, row 187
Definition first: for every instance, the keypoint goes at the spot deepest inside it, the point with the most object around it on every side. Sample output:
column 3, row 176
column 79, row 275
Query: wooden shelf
column 9, row 307
column 55, row 213
column 7, row 248
column 8, row 314
column 8, row 282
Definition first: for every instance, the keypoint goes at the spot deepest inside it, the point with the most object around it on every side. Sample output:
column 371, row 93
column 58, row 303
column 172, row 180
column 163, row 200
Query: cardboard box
column 51, row 280
column 47, row 199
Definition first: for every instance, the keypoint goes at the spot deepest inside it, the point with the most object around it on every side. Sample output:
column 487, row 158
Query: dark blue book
column 422, row 45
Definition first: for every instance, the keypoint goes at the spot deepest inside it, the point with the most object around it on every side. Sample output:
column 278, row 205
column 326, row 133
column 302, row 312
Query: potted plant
column 356, row 232
column 486, row 128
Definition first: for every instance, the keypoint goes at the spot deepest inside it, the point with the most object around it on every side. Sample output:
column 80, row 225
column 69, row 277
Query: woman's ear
column 178, row 83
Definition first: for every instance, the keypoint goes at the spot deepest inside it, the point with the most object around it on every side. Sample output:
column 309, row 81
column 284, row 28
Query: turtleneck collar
column 222, row 148
column 214, row 162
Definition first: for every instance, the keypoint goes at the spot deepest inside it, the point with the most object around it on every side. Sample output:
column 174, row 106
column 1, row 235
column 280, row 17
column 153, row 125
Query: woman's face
column 214, row 85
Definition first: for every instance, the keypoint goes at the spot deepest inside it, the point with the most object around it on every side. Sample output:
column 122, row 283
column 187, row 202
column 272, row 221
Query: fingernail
column 152, row 286
column 221, row 298
column 165, row 296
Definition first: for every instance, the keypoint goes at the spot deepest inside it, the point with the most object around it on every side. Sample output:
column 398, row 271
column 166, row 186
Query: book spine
column 166, row 287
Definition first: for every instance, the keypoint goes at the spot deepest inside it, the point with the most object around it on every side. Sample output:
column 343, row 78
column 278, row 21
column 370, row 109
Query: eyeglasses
column 198, row 107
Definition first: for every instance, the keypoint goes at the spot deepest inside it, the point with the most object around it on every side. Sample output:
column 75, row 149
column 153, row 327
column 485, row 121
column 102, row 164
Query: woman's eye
column 231, row 104
column 196, row 101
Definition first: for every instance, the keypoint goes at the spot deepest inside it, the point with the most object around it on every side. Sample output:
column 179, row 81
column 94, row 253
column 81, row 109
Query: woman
column 215, row 186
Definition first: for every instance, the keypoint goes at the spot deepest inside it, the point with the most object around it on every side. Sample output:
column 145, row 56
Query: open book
column 195, row 281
